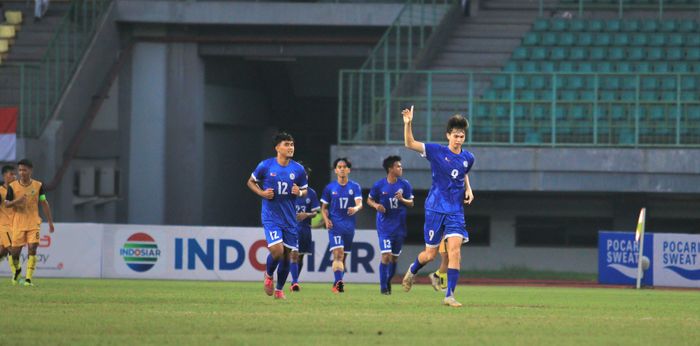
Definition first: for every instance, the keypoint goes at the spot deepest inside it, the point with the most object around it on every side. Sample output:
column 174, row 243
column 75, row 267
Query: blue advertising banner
column 617, row 258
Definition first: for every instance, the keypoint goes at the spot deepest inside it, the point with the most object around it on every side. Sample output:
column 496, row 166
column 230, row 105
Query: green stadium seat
column 695, row 67
column 630, row 25
column 567, row 39
column 613, row 25
column 625, row 137
column 629, row 82
column 558, row 53
column 559, row 24
column 533, row 138
column 657, row 40
column 538, row 53
column 661, row 67
column 576, row 82
column 676, row 39
column 520, row 81
column 561, row 112
column 566, row 66
column 585, row 39
column 655, row 53
column 674, row 54
column 597, row 53
column 539, row 112
column 692, row 54
column 519, row 111
column 636, row 53
column 503, row 94
column 648, row 96
column 640, row 40
column 602, row 39
column 668, row 26
column 529, row 66
column 531, row 39
column 628, row 96
column 649, row 83
column 541, row 25
column 578, row 53
column 537, row 82
column 500, row 111
column 692, row 40
column 607, row 95
column 595, row 25
column 680, row 66
column 490, row 95
column 687, row 25
column 689, row 82
column 549, row 39
column 587, row 95
column 642, row 67
column 657, row 112
column 500, row 82
column 511, row 66
column 623, row 67
column 616, row 53
column 585, row 66
column 621, row 39
column 520, row 53
column 689, row 96
column 617, row 112
column 650, row 25
column 577, row 25
column 693, row 112
column 610, row 82
column 604, row 67
column 668, row 96
column 481, row 110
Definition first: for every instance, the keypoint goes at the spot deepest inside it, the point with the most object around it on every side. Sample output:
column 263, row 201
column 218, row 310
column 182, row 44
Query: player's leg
column 6, row 248
column 438, row 279
column 456, row 235
column 31, row 262
column 396, row 248
column 298, row 256
column 274, row 238
column 290, row 241
column 294, row 271
column 336, row 246
column 384, row 263
column 347, row 249
column 19, row 239
column 432, row 233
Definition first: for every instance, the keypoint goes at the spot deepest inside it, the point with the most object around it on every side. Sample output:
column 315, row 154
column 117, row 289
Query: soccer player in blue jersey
column 340, row 201
column 307, row 207
column 279, row 181
column 390, row 196
column 444, row 211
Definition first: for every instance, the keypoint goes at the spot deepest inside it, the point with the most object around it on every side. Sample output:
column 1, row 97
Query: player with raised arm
column 340, row 201
column 6, row 215
column 279, row 181
column 306, row 207
column 390, row 196
column 24, row 196
column 444, row 211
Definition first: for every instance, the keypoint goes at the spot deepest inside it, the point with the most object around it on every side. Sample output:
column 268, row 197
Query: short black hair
column 7, row 168
column 281, row 137
column 389, row 162
column 344, row 159
column 457, row 122
column 25, row 162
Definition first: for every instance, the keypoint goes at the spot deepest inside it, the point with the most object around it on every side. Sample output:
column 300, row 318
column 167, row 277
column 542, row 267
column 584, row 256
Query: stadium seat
column 520, row 53
column 613, row 25
column 597, row 53
column 531, row 39
column 4, row 46
column 692, row 54
column 567, row 39
column 7, row 32
column 549, row 39
column 602, row 39
column 13, row 17
column 578, row 53
column 676, row 39
column 585, row 39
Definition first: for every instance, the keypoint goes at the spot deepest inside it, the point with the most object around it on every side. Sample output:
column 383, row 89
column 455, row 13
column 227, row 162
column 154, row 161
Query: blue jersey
column 339, row 198
column 307, row 204
column 280, row 210
column 448, row 169
column 393, row 221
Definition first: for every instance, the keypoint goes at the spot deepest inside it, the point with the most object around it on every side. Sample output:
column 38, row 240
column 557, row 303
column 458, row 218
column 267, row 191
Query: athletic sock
column 392, row 271
column 338, row 276
column 31, row 265
column 271, row 265
column 282, row 273
column 452, row 277
column 415, row 267
column 12, row 265
column 383, row 276
column 17, row 263
column 294, row 270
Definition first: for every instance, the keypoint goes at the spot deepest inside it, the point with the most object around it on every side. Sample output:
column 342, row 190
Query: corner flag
column 639, row 238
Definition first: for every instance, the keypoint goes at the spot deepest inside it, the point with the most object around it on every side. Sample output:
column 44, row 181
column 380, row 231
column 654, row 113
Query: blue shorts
column 275, row 234
column 305, row 245
column 340, row 239
column 438, row 225
column 391, row 243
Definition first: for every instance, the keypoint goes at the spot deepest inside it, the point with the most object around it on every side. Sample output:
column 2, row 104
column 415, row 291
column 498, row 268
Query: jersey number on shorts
column 337, row 239
column 387, row 243
column 273, row 234
column 431, row 234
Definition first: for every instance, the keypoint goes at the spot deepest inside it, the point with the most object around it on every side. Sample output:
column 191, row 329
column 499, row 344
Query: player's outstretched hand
column 268, row 193
column 468, row 197
column 329, row 224
column 295, row 190
column 380, row 208
column 407, row 115
column 352, row 211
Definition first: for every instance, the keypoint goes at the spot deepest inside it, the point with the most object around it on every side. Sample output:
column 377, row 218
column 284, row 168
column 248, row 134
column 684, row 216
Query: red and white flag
column 8, row 133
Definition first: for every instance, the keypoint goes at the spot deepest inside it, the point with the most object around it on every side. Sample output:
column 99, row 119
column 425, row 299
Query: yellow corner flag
column 640, row 225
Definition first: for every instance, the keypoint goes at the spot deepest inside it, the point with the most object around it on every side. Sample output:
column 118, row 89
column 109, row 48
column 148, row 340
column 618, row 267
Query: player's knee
column 386, row 258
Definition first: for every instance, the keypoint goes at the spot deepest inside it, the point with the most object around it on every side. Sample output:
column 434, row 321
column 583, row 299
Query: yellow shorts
column 443, row 246
column 5, row 236
column 21, row 238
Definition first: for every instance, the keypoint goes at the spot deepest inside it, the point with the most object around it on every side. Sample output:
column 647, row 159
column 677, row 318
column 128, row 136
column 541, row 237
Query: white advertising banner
column 73, row 250
column 220, row 253
column 676, row 261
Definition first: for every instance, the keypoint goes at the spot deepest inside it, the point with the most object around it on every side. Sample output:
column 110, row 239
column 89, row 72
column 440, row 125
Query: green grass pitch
column 119, row 312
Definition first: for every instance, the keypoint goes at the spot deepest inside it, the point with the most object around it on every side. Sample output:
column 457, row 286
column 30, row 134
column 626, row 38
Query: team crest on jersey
column 466, row 164
column 350, row 192
column 291, row 176
column 308, row 200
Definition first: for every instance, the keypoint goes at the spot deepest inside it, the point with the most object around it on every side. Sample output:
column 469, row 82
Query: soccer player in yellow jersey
column 6, row 214
column 25, row 195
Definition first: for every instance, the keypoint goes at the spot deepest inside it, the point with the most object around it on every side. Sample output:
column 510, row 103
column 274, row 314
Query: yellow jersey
column 6, row 214
column 26, row 216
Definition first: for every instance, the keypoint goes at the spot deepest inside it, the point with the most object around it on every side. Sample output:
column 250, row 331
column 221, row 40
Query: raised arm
column 409, row 141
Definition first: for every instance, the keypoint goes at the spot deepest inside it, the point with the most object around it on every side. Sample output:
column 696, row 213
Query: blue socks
column 338, row 276
column 294, row 269
column 415, row 267
column 271, row 265
column 392, row 271
column 452, row 277
column 282, row 273
column 383, row 273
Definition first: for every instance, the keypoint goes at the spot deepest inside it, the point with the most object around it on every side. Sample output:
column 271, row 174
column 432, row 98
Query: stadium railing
column 567, row 109
column 580, row 6
column 43, row 83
